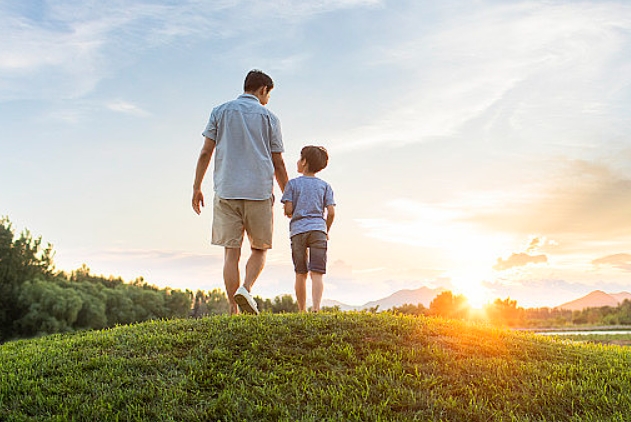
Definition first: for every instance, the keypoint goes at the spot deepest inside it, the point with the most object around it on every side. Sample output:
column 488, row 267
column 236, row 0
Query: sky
column 480, row 146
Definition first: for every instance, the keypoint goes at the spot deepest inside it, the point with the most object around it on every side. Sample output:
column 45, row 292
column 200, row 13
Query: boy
column 309, row 202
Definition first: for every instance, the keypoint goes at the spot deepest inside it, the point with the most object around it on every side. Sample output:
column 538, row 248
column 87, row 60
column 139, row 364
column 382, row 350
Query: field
column 323, row 367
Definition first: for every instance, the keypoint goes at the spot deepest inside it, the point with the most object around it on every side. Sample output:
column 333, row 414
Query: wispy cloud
column 174, row 268
column 296, row 8
column 506, row 67
column 65, row 48
column 156, row 255
column 128, row 108
column 621, row 261
column 415, row 223
column 585, row 199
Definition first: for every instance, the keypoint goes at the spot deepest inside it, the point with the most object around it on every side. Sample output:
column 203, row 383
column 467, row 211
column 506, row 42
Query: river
column 583, row 332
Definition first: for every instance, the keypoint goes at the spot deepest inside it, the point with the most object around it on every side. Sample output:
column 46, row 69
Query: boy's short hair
column 256, row 79
column 317, row 157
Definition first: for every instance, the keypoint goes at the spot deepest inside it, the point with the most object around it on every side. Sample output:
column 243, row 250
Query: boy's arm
column 202, row 165
column 330, row 216
column 279, row 170
column 289, row 208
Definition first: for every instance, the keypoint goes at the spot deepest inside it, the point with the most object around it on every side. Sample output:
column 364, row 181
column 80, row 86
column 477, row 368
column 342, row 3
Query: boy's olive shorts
column 233, row 217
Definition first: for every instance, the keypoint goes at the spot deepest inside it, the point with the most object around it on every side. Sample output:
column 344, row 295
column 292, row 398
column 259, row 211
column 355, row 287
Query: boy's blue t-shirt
column 309, row 196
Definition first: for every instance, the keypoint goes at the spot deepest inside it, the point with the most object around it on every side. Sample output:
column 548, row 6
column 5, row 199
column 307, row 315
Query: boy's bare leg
column 317, row 287
column 301, row 291
column 253, row 267
column 231, row 276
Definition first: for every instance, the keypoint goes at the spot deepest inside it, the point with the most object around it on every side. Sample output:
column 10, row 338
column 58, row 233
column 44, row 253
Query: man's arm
column 202, row 165
column 279, row 170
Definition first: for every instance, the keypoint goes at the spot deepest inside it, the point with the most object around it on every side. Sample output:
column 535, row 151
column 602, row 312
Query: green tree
column 504, row 312
column 214, row 302
column 284, row 304
column 92, row 314
column 83, row 274
column 50, row 308
column 177, row 303
column 280, row 304
column 448, row 305
column 410, row 309
column 22, row 258
column 624, row 312
column 119, row 308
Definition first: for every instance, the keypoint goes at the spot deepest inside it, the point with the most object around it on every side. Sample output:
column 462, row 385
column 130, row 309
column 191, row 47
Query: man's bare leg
column 253, row 267
column 231, row 276
column 301, row 291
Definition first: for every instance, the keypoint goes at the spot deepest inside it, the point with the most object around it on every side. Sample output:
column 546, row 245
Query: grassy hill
column 329, row 366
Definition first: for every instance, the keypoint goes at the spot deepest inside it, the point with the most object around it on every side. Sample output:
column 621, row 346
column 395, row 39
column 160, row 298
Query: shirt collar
column 249, row 96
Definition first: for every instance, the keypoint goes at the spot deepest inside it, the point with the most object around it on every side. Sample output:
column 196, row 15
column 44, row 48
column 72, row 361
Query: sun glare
column 473, row 258
column 465, row 252
column 477, row 295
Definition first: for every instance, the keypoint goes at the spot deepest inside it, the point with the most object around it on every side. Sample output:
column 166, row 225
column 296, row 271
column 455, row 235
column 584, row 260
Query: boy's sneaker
column 246, row 302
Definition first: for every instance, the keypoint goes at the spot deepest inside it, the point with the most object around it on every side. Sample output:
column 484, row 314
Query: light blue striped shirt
column 246, row 134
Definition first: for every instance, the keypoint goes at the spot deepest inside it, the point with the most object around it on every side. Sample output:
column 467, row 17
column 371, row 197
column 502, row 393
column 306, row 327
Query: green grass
column 323, row 367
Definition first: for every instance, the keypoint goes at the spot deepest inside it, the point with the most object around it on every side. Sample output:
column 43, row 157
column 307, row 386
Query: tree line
column 35, row 299
column 506, row 312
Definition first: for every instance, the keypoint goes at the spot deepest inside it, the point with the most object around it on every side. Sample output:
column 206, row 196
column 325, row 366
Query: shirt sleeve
column 328, row 196
column 276, row 136
column 211, row 128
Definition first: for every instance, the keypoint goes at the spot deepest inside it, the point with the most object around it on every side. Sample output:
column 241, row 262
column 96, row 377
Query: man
column 248, row 143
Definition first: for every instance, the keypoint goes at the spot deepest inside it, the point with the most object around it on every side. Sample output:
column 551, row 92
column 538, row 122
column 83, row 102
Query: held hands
column 198, row 201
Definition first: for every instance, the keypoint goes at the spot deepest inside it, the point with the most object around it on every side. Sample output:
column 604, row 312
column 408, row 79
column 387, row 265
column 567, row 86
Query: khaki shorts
column 233, row 217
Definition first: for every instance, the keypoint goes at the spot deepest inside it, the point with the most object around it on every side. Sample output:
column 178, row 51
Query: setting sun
column 472, row 288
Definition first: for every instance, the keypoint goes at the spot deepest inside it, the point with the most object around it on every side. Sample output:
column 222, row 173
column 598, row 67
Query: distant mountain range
column 425, row 295
column 596, row 299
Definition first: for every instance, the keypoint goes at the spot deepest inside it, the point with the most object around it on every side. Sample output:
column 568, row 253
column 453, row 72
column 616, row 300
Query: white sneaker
column 246, row 302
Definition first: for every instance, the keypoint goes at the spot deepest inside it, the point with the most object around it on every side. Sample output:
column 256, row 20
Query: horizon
column 482, row 148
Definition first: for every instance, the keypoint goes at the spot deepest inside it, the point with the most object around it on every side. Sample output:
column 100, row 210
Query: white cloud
column 128, row 108
column 519, row 260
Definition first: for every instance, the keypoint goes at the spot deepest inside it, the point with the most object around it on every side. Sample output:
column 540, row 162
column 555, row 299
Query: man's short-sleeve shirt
column 309, row 197
column 246, row 134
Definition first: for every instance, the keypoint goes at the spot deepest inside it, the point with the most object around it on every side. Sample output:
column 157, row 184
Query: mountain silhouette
column 423, row 295
column 596, row 299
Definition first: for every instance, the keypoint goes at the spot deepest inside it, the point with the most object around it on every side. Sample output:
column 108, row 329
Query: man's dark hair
column 317, row 157
column 256, row 79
